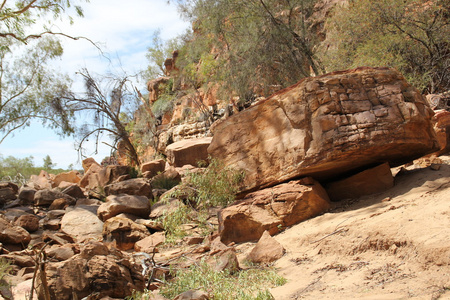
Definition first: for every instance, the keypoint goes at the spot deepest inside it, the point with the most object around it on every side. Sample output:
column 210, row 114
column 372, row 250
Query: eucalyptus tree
column 28, row 84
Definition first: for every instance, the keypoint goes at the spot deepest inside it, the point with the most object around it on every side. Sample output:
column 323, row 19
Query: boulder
column 327, row 126
column 41, row 181
column 14, row 235
column 153, row 167
column 8, row 191
column 71, row 177
column 225, row 261
column 370, row 181
column 188, row 152
column 58, row 204
column 98, row 176
column 26, row 195
column 46, row 197
column 107, row 273
column 88, row 162
column 136, row 186
column 74, row 190
column 149, row 243
column 28, row 222
column 82, row 223
column 442, row 128
column 61, row 253
column 272, row 209
column 128, row 204
column 267, row 250
column 123, row 232
column 163, row 207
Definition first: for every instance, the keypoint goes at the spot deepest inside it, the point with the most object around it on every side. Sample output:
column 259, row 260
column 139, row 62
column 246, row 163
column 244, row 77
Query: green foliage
column 163, row 182
column 245, row 285
column 172, row 221
column 214, row 186
column 249, row 47
column 157, row 53
column 29, row 87
column 412, row 36
column 5, row 269
column 48, row 164
column 19, row 170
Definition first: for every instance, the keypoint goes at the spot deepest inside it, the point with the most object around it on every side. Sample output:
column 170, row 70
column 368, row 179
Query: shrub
column 244, row 285
column 216, row 185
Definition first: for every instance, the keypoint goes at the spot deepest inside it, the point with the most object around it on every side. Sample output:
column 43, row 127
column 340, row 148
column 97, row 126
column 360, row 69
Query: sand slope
column 392, row 245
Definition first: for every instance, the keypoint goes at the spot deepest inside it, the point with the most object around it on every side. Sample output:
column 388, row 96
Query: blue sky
column 124, row 30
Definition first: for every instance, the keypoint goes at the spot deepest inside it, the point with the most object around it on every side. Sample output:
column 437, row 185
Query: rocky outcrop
column 272, row 209
column 327, row 126
column 188, row 152
column 123, row 232
column 155, row 87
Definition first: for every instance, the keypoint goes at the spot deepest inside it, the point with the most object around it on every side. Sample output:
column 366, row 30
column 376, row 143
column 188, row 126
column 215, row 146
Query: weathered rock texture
column 326, row 126
column 442, row 128
column 94, row 270
column 188, row 152
column 129, row 204
column 272, row 209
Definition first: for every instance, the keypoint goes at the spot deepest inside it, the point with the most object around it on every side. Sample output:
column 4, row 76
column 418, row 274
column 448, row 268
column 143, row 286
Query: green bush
column 216, row 185
column 244, row 285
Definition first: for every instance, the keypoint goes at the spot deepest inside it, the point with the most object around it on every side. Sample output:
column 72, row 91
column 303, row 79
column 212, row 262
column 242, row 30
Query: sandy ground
column 392, row 245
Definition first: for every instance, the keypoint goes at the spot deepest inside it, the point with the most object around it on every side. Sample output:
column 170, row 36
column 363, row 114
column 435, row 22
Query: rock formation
column 327, row 126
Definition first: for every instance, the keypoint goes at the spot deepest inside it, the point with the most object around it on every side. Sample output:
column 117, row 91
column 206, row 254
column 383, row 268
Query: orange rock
column 326, row 126
column 272, row 209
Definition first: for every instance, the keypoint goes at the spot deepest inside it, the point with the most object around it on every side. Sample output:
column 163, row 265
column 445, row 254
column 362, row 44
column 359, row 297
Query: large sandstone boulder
column 188, row 152
column 128, row 204
column 96, row 270
column 272, row 209
column 135, row 186
column 326, row 126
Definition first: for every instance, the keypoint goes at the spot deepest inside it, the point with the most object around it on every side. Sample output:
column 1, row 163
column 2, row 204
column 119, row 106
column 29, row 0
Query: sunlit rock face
column 327, row 126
